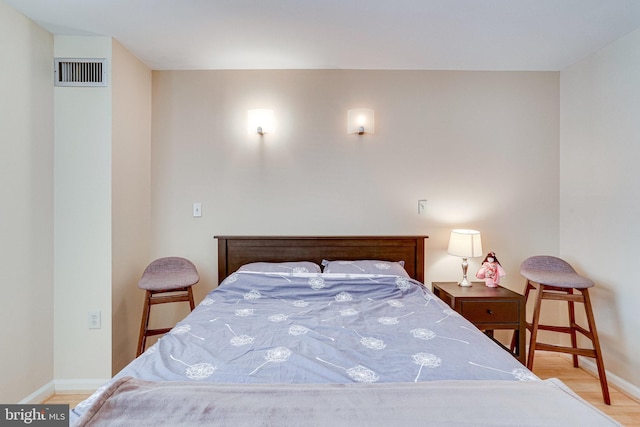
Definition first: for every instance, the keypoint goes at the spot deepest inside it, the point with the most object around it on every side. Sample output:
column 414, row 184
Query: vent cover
column 80, row 72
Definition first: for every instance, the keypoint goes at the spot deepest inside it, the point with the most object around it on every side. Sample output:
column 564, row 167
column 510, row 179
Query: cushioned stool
column 165, row 280
column 555, row 279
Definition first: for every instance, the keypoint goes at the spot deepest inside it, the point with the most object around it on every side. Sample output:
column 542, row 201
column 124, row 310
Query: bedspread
column 130, row 402
column 309, row 328
column 313, row 328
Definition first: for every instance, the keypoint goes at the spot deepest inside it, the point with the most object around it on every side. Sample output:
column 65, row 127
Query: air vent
column 80, row 72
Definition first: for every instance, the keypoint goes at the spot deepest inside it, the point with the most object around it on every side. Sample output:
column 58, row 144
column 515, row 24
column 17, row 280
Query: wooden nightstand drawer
column 491, row 311
column 488, row 309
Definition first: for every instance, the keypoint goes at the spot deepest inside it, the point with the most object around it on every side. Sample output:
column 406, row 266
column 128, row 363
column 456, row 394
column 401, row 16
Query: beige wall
column 482, row 147
column 82, row 222
column 131, row 198
column 600, row 194
column 26, row 208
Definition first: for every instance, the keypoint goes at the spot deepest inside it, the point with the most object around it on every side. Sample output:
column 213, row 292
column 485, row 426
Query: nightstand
column 488, row 309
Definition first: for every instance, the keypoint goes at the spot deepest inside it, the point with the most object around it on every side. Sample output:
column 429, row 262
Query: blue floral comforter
column 323, row 328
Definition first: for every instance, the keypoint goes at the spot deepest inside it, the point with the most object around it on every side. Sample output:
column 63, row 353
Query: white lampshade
column 360, row 120
column 465, row 243
column 260, row 120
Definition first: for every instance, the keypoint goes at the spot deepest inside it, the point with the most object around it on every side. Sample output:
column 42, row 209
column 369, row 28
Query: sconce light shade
column 260, row 120
column 465, row 244
column 360, row 120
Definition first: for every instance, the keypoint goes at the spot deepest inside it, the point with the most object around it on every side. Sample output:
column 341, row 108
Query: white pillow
column 365, row 267
column 282, row 267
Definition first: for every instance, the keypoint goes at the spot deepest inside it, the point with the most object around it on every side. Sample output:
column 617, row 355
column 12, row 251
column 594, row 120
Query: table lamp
column 465, row 244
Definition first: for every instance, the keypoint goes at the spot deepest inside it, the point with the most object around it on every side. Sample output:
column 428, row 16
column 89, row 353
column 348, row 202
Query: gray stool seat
column 169, row 273
column 165, row 280
column 553, row 271
column 555, row 279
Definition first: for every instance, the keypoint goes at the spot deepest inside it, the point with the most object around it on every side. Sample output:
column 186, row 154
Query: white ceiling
column 346, row 34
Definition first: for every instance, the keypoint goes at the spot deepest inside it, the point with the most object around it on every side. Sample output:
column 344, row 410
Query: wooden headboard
column 235, row 251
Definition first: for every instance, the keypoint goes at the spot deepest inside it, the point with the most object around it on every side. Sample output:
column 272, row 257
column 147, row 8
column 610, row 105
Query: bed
column 325, row 331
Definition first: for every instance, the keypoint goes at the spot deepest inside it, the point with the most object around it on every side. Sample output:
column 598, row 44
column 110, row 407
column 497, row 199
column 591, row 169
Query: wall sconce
column 360, row 120
column 465, row 244
column 260, row 120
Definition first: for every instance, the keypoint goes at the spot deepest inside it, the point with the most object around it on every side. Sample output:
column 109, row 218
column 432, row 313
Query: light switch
column 422, row 206
column 197, row 210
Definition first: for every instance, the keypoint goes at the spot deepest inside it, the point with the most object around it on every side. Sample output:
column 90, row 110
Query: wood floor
column 623, row 409
column 66, row 399
column 547, row 365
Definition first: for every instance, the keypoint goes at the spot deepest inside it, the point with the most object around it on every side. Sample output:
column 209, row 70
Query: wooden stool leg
column 144, row 324
column 596, row 346
column 572, row 325
column 191, row 303
column 534, row 326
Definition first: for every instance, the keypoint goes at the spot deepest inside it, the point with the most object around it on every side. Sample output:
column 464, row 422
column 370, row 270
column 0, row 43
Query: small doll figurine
column 491, row 271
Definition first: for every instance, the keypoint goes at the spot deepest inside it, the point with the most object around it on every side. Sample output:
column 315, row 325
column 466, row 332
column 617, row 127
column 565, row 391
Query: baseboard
column 40, row 395
column 589, row 365
column 78, row 386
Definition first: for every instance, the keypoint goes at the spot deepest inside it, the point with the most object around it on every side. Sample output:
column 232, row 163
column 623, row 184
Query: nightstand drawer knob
column 489, row 311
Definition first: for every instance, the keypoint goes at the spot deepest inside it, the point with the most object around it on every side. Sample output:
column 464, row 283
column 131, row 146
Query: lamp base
column 464, row 281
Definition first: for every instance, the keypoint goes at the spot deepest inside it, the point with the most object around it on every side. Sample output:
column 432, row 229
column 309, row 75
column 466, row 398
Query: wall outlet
column 94, row 320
